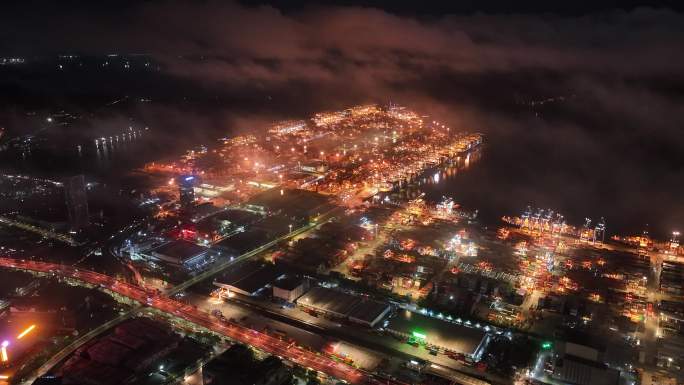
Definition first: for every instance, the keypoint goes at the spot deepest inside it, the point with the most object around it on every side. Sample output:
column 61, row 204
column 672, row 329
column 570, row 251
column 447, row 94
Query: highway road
column 69, row 349
column 373, row 343
column 126, row 289
column 261, row 341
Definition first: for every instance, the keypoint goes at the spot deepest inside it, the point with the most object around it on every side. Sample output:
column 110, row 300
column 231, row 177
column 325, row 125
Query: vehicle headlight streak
column 4, row 357
column 26, row 331
column 3, row 351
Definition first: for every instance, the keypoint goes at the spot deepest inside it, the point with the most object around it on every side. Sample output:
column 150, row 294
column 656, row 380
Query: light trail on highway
column 261, row 341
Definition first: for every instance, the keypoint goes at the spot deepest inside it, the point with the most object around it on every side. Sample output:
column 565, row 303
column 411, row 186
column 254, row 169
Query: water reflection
column 433, row 180
column 107, row 147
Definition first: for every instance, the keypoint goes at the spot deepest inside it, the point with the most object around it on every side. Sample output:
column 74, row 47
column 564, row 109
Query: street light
column 290, row 226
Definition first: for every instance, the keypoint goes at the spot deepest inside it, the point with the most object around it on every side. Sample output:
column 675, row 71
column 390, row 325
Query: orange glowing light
column 26, row 331
column 3, row 353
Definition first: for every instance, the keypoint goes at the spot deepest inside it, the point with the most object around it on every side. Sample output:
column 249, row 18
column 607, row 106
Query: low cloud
column 609, row 147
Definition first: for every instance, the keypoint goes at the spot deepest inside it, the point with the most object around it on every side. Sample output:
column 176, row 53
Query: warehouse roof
column 329, row 300
column 257, row 280
column 243, row 242
column 369, row 311
column 180, row 250
column 250, row 280
column 448, row 335
column 289, row 283
column 292, row 202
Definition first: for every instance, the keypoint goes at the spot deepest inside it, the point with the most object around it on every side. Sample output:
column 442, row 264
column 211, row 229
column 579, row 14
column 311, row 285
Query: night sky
column 608, row 141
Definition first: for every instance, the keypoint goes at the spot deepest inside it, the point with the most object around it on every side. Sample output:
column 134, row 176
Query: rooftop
column 448, row 335
column 108, row 359
column 243, row 242
column 292, row 201
column 236, row 216
column 368, row 310
column 329, row 300
column 289, row 283
column 585, row 372
column 180, row 250
column 253, row 279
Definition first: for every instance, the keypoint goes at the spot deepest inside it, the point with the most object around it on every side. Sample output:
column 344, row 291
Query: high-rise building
column 674, row 240
column 186, row 189
column 600, row 230
column 76, row 202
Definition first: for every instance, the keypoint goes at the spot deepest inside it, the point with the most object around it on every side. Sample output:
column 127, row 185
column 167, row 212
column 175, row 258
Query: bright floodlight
column 26, row 331
column 419, row 335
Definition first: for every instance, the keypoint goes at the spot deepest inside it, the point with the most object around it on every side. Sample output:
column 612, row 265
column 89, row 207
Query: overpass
column 223, row 265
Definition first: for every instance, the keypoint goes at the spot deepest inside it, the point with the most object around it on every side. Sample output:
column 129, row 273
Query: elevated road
column 223, row 265
column 323, row 218
column 144, row 297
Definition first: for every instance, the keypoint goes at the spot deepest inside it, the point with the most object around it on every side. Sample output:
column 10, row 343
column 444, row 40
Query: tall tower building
column 674, row 240
column 600, row 230
column 76, row 202
column 186, row 190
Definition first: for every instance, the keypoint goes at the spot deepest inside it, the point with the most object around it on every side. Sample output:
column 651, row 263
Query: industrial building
column 180, row 252
column 289, row 288
column 202, row 211
column 300, row 205
column 580, row 371
column 119, row 356
column 369, row 312
column 186, row 190
column 582, row 365
column 330, row 302
column 250, row 281
column 236, row 366
column 224, row 222
column 337, row 304
column 443, row 334
column 242, row 242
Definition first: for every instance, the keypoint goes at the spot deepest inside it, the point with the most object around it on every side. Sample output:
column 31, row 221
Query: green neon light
column 419, row 335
